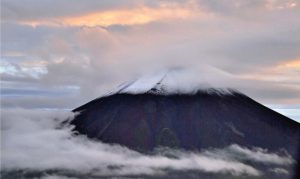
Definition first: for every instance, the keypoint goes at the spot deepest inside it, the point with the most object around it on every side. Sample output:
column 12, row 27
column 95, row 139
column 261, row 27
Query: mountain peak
column 178, row 81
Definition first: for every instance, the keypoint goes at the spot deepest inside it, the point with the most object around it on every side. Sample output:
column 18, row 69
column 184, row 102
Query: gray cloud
column 15, row 10
column 33, row 9
column 239, row 8
column 280, row 171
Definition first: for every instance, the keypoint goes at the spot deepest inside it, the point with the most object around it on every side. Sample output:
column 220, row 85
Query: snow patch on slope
column 179, row 81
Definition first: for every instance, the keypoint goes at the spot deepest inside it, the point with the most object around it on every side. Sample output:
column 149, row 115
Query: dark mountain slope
column 205, row 119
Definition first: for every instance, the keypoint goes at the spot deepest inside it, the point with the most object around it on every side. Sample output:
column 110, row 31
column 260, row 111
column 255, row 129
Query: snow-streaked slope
column 178, row 81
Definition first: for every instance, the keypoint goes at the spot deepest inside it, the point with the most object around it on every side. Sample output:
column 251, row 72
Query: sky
column 58, row 54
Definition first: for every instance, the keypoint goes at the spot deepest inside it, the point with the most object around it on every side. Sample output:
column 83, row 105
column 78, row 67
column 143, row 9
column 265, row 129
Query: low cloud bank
column 37, row 140
column 255, row 154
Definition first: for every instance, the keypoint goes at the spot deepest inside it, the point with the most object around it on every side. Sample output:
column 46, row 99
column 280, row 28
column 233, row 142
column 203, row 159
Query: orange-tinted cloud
column 141, row 15
column 291, row 64
column 284, row 71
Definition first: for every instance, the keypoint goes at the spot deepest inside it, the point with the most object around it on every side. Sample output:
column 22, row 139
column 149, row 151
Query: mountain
column 157, row 115
column 205, row 119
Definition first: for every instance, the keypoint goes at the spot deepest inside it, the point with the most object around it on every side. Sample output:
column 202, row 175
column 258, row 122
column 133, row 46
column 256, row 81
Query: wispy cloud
column 142, row 15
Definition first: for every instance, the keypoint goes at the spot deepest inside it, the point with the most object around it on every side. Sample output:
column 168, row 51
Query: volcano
column 206, row 118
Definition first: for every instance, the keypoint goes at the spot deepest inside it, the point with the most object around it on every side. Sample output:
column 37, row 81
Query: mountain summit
column 177, row 81
column 154, row 116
